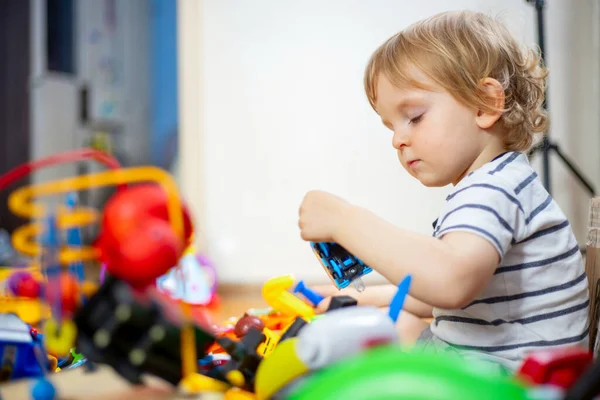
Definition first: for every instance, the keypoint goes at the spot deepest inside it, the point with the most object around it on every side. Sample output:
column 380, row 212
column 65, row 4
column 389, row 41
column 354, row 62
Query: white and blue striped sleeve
column 489, row 209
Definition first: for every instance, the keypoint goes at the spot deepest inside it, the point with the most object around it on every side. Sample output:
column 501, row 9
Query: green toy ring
column 390, row 372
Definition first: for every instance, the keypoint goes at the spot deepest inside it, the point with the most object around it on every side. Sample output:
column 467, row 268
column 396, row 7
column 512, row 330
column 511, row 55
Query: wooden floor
column 105, row 384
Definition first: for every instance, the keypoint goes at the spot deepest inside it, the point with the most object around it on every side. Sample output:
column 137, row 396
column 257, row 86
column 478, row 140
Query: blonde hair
column 459, row 49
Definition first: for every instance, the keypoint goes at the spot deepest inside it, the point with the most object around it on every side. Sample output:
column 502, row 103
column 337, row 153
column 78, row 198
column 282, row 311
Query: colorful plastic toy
column 25, row 239
column 21, row 355
column 23, row 284
column 556, row 367
column 341, row 266
column 30, row 311
column 397, row 302
column 275, row 293
column 340, row 334
column 43, row 390
column 193, row 281
column 310, row 295
column 341, row 301
column 73, row 238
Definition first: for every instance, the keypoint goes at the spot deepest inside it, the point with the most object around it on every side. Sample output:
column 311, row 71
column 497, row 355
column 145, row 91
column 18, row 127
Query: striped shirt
column 538, row 296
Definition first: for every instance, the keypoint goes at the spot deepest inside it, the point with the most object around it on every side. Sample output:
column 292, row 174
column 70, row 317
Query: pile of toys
column 144, row 317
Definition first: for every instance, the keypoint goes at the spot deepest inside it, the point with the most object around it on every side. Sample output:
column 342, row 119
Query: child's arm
column 377, row 296
column 446, row 273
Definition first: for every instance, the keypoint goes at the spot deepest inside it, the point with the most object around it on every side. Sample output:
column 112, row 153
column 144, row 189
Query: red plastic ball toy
column 23, row 284
column 137, row 242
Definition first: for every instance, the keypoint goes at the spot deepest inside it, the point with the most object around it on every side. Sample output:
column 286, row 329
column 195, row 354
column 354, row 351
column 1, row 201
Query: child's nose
column 400, row 140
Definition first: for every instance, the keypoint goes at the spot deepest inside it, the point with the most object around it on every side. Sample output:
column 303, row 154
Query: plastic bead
column 43, row 390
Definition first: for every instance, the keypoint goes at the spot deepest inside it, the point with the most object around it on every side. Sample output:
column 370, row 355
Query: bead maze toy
column 139, row 241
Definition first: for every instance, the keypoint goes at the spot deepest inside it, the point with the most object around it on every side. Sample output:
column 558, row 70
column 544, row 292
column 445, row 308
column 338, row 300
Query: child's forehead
column 405, row 91
column 407, row 80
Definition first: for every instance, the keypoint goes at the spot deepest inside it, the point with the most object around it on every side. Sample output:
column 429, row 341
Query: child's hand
column 326, row 291
column 320, row 216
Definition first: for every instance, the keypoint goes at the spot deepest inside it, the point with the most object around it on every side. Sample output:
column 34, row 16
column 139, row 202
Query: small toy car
column 22, row 355
column 341, row 266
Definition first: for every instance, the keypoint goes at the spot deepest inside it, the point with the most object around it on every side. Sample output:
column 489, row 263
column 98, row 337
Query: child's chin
column 431, row 181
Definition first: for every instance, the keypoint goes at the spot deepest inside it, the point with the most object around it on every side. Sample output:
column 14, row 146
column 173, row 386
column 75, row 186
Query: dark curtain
column 14, row 97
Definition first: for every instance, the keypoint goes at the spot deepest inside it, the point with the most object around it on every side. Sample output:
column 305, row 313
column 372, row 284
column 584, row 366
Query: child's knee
column 409, row 327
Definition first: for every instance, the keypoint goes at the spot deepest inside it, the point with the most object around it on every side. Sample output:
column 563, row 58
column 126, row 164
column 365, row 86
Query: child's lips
column 413, row 163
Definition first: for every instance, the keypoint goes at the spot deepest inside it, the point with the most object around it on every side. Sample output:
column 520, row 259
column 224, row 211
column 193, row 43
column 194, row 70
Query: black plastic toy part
column 341, row 302
column 294, row 329
column 133, row 334
column 587, row 387
column 244, row 359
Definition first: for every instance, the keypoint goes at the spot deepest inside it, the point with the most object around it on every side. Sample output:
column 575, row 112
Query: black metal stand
column 547, row 146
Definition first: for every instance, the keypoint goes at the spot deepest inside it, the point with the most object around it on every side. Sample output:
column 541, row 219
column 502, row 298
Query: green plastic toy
column 390, row 372
column 76, row 356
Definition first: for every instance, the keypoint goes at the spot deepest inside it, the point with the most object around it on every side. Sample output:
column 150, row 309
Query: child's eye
column 416, row 120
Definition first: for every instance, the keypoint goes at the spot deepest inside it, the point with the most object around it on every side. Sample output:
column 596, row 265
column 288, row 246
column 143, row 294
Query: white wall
column 272, row 105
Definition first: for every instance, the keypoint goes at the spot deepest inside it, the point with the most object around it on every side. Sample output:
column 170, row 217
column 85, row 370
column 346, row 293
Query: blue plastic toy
column 341, row 266
column 21, row 355
column 43, row 390
column 74, row 238
column 76, row 364
column 398, row 301
column 312, row 296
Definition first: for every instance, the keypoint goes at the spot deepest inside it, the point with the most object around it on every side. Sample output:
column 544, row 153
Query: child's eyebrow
column 411, row 101
column 408, row 101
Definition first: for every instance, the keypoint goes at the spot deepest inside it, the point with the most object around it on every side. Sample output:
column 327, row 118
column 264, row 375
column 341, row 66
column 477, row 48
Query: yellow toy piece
column 198, row 383
column 30, row 311
column 239, row 394
column 59, row 339
column 236, row 378
column 271, row 340
column 24, row 238
column 275, row 293
column 281, row 367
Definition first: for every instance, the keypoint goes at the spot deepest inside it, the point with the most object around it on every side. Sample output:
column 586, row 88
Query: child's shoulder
column 505, row 194
column 508, row 178
column 510, row 171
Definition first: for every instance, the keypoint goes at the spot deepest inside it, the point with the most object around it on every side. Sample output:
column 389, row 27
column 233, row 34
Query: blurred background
column 252, row 103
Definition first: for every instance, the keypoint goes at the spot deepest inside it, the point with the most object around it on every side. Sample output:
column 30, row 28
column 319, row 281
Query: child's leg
column 409, row 327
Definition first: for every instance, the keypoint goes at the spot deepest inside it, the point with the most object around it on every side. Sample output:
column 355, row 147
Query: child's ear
column 494, row 94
